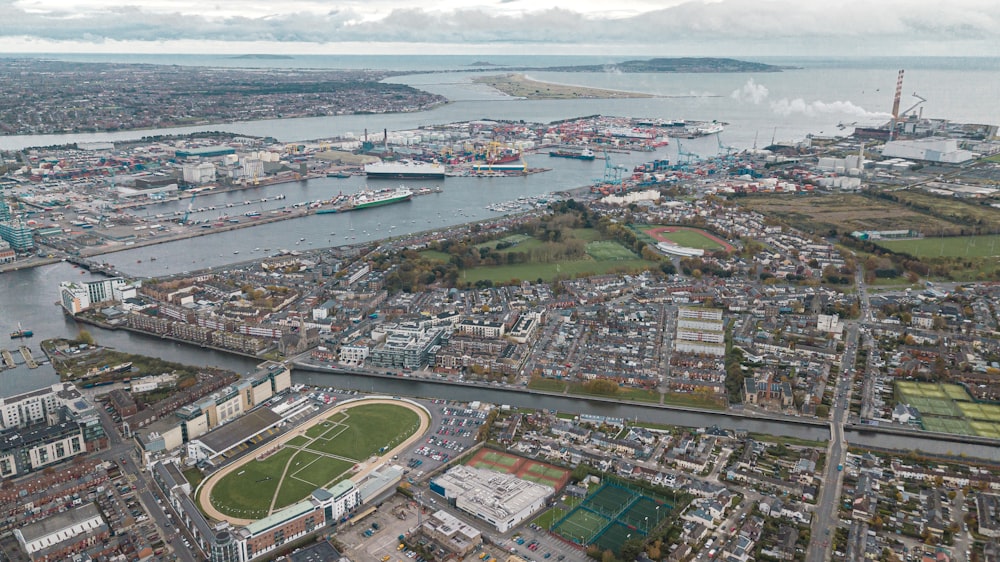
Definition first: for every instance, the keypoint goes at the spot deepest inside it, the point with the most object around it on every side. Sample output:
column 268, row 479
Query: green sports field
column 948, row 408
column 951, row 246
column 323, row 456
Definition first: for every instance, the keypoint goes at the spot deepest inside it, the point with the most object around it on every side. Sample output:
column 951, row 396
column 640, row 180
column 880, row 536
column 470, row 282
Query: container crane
column 683, row 154
column 184, row 219
column 728, row 149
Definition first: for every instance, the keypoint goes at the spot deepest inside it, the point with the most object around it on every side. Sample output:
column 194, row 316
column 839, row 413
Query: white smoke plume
column 751, row 92
column 786, row 107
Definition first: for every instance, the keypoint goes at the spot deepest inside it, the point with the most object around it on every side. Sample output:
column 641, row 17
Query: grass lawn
column 194, row 477
column 315, row 471
column 786, row 440
column 549, row 271
column 298, row 441
column 587, row 234
column 609, row 250
column 247, row 492
column 435, row 255
column 951, row 246
column 355, row 434
column 624, row 393
column 515, row 239
column 693, row 400
column 550, row 385
column 545, row 520
column 370, row 427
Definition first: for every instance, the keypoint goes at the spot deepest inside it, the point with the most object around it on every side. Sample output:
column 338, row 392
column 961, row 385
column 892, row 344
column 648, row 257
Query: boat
column 709, row 129
column 405, row 170
column 21, row 333
column 369, row 198
column 341, row 175
column 585, row 154
column 521, row 166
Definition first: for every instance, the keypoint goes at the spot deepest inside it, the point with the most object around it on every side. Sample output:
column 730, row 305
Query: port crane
column 184, row 219
column 612, row 173
column 683, row 154
column 728, row 149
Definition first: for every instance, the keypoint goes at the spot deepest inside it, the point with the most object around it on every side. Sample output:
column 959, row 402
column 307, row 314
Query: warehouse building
column 502, row 500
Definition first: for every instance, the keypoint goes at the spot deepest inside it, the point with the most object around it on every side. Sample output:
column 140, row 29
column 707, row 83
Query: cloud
column 734, row 26
column 786, row 107
column 751, row 92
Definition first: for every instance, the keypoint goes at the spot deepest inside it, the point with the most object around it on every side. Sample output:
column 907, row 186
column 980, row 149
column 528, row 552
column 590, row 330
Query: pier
column 8, row 359
column 28, row 359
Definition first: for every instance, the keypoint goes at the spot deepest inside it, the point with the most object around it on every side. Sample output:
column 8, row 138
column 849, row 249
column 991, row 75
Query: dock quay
column 8, row 359
column 28, row 359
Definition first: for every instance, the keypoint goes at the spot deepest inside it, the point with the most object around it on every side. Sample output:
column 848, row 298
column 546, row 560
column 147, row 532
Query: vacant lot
column 844, row 213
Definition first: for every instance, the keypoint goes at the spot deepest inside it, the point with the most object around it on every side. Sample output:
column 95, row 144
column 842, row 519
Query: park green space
column 436, row 255
column 324, row 455
column 982, row 246
column 603, row 255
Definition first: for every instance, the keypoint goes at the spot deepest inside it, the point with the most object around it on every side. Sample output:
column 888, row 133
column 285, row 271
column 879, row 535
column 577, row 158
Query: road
column 122, row 453
column 825, row 515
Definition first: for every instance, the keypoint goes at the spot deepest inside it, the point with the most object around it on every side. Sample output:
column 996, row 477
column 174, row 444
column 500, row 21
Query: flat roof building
column 503, row 500
column 56, row 537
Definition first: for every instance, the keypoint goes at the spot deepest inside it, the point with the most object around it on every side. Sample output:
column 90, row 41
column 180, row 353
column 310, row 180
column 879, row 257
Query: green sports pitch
column 323, row 456
column 951, row 246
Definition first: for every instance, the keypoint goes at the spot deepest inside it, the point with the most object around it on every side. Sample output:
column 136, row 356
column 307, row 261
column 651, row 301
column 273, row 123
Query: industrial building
column 502, row 500
column 450, row 533
column 59, row 536
column 935, row 149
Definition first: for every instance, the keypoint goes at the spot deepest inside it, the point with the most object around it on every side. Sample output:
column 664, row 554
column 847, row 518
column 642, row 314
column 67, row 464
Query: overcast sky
column 612, row 27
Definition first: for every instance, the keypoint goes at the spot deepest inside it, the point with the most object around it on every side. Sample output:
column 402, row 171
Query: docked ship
column 585, row 154
column 709, row 129
column 369, row 198
column 405, row 170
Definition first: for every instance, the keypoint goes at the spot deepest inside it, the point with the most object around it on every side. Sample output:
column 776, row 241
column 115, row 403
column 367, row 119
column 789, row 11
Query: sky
column 591, row 27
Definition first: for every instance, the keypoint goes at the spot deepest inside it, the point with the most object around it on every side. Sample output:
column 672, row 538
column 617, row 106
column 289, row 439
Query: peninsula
column 519, row 85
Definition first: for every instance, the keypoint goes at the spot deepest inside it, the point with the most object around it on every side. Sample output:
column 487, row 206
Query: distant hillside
column 261, row 56
column 685, row 64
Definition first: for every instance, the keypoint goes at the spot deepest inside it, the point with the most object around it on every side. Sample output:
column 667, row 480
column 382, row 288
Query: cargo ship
column 368, row 198
column 405, row 170
column 585, row 154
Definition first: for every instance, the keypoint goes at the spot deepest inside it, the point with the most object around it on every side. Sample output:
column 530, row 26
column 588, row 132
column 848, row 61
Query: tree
column 85, row 337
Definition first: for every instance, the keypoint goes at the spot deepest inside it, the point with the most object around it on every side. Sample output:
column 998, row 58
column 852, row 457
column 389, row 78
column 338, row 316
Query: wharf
column 8, row 359
column 28, row 359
